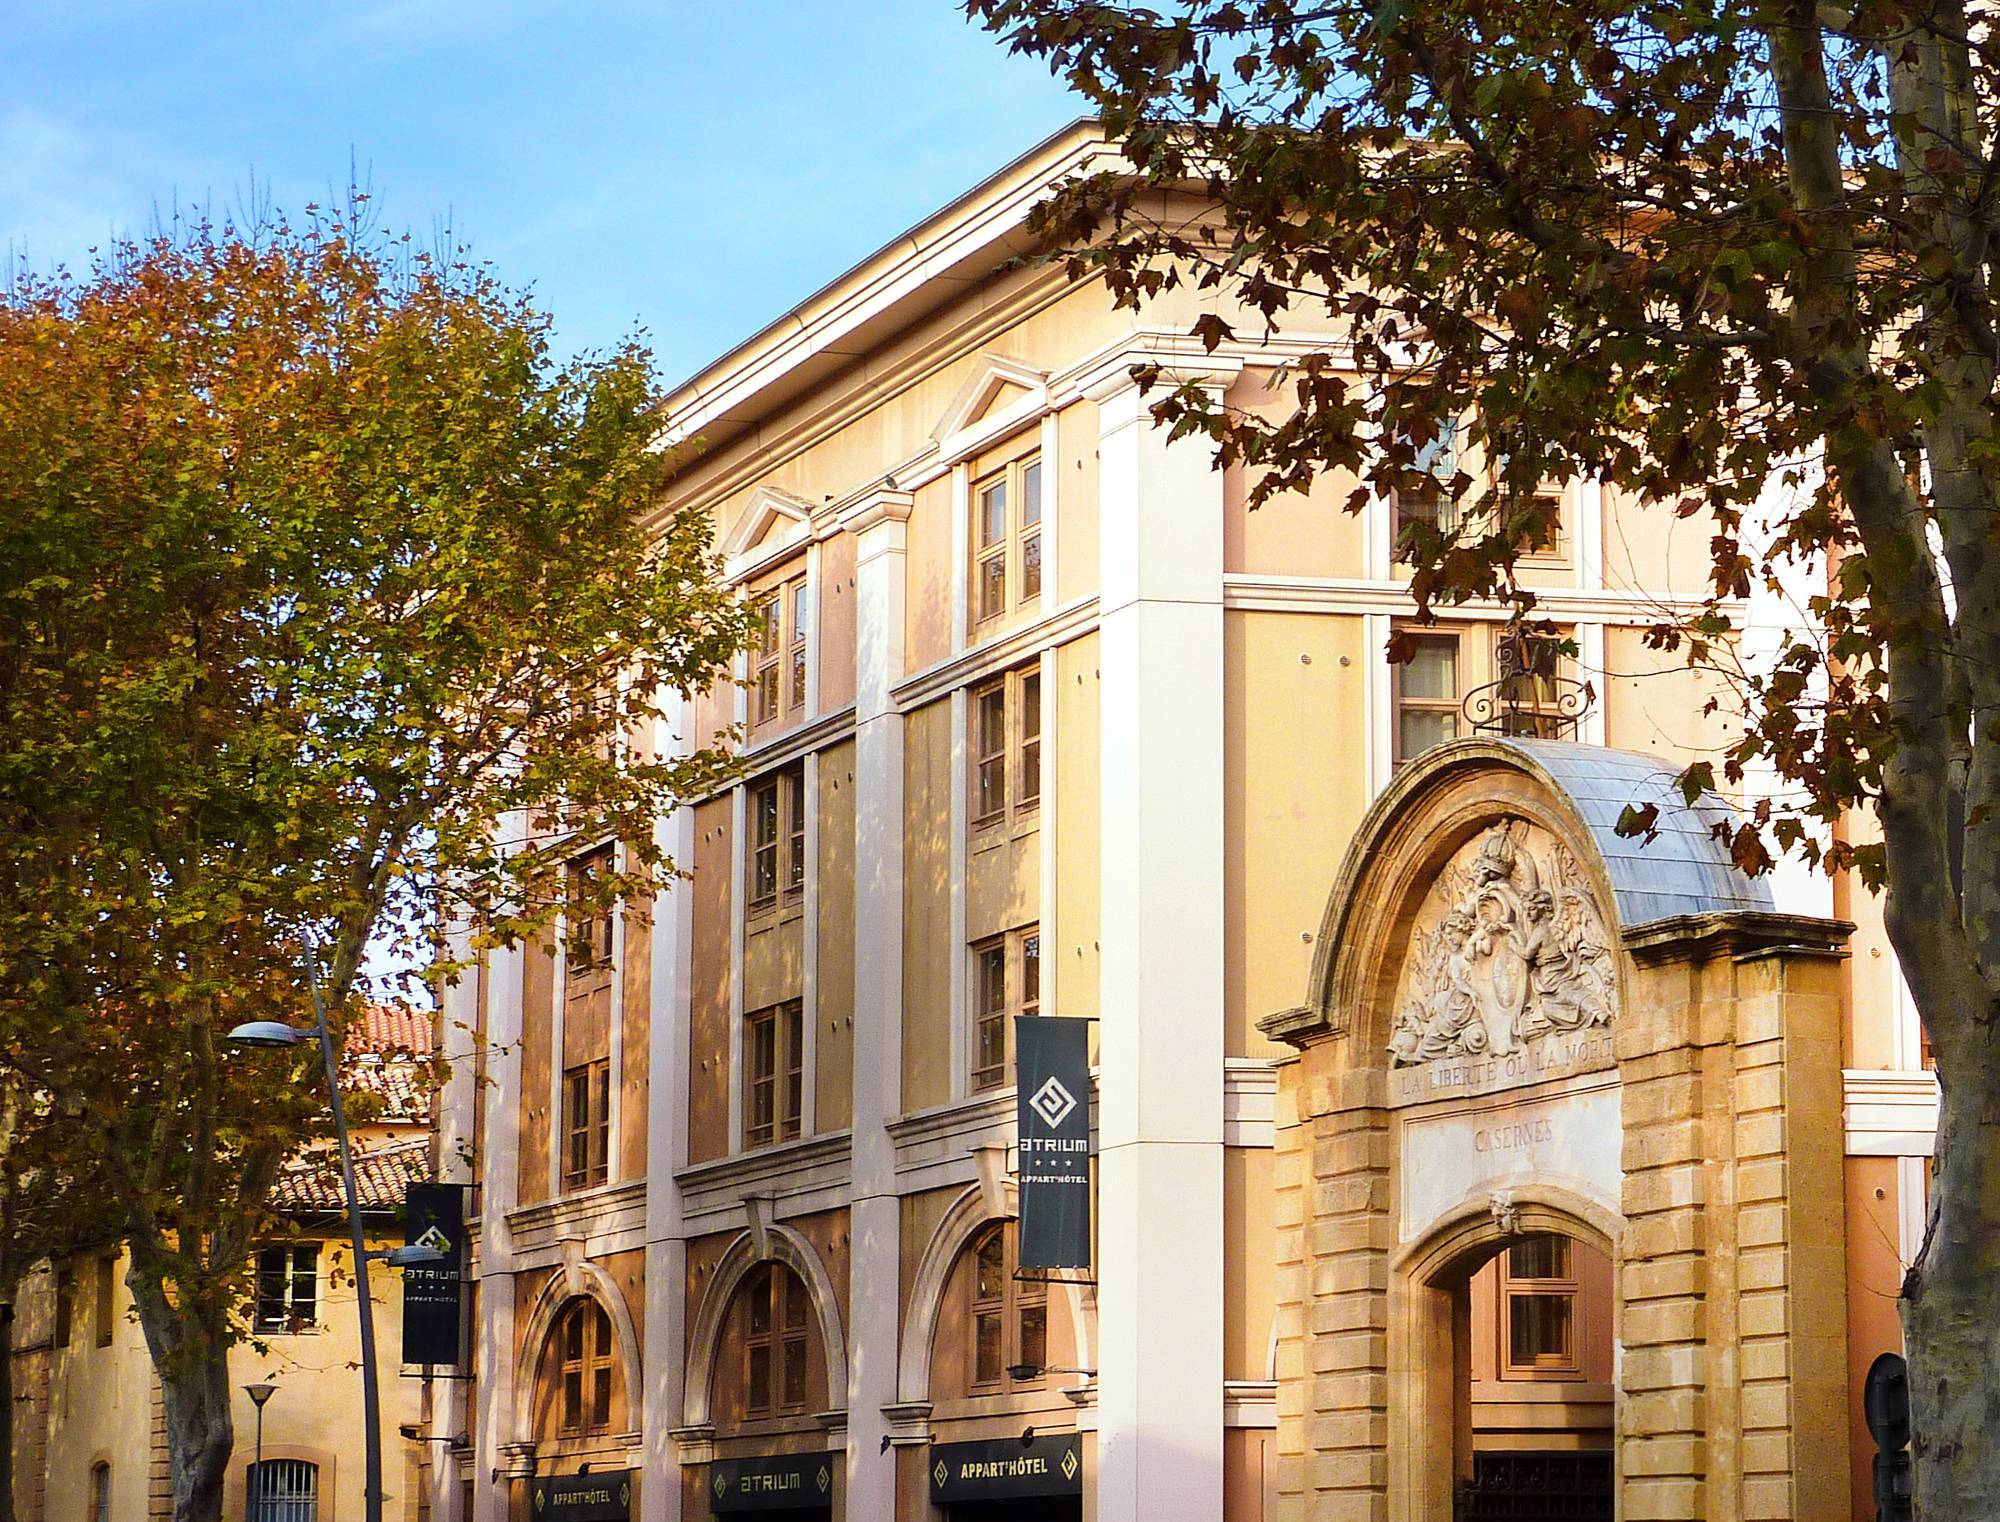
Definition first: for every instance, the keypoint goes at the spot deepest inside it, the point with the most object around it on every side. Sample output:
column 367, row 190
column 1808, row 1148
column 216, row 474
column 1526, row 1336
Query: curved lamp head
column 413, row 1256
column 267, row 1033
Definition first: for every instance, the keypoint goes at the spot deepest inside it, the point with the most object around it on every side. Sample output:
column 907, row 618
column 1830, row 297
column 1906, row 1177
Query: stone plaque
column 1510, row 977
column 1572, row 1141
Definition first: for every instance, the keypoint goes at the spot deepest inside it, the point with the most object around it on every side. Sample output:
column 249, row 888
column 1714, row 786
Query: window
column 586, row 1349
column 287, row 1287
column 283, row 1490
column 1010, row 1315
column 587, row 1125
column 778, row 664
column 1006, row 981
column 1006, row 541
column 1424, row 493
column 778, row 839
column 100, row 1493
column 773, row 1074
column 65, row 1305
column 1006, row 720
column 1427, row 695
column 1538, row 1293
column 774, row 1344
column 107, row 1274
column 589, row 924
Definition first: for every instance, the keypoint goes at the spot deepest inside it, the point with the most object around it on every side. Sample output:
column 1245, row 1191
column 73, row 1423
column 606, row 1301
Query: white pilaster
column 458, row 1101
column 879, row 525
column 666, row 1153
column 1160, row 1362
column 493, row 1338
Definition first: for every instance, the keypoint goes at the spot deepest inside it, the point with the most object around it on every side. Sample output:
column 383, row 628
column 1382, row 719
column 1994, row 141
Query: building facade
column 1043, row 721
column 90, row 1438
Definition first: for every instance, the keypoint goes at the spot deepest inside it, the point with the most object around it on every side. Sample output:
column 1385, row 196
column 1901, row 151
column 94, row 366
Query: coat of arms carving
column 1520, row 950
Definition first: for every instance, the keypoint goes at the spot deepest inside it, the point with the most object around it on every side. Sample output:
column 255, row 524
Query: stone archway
column 781, row 1245
column 1520, row 1022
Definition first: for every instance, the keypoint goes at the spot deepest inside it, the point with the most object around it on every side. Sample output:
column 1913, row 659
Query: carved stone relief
column 1510, row 947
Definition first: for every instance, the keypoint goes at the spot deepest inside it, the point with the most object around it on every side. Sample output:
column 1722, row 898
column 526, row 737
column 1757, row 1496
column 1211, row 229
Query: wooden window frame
column 1019, row 960
column 1400, row 702
column 294, row 1266
column 774, row 864
column 780, row 660
column 1437, row 460
column 587, row 930
column 784, row 1081
column 1008, row 759
column 1564, row 1364
column 586, row 1131
column 1011, row 558
column 784, row 1340
column 1016, row 1303
column 65, row 1317
column 586, row 1349
column 106, row 1298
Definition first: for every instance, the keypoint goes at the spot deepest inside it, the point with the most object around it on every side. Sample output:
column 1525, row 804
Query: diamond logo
column 435, row 1240
column 940, row 1474
column 1069, row 1464
column 541, row 1498
column 721, row 1483
column 1053, row 1102
column 825, row 1478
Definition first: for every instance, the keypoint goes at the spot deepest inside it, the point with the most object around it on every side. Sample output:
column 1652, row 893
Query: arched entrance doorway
column 1509, row 1319
column 1561, row 1142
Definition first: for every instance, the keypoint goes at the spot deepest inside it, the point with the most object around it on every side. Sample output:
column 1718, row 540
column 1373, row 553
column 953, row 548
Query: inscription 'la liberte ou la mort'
column 1554, row 1056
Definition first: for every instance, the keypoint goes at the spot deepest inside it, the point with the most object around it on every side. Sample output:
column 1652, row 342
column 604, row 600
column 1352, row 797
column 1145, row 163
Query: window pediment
column 999, row 396
column 772, row 525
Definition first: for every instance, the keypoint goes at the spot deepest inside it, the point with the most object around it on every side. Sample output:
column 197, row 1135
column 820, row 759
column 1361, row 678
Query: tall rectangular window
column 775, row 1344
column 1538, row 1300
column 776, row 868
column 287, row 1287
column 778, row 659
column 588, row 947
column 1427, row 694
column 65, row 1305
column 107, row 1271
column 587, row 1125
column 774, row 1088
column 1006, row 541
column 1006, row 981
column 1005, row 718
column 1424, row 495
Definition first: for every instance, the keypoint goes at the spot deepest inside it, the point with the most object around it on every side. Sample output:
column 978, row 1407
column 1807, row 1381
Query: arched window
column 585, row 1349
column 1010, row 1316
column 775, row 1343
column 100, row 1493
column 283, row 1490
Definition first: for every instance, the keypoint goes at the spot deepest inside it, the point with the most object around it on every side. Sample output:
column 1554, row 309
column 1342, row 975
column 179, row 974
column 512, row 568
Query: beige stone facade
column 1044, row 720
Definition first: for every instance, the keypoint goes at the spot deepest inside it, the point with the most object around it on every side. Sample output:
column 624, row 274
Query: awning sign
column 605, row 1497
column 1053, row 1105
column 1006, row 1469
column 433, row 1296
column 787, row 1482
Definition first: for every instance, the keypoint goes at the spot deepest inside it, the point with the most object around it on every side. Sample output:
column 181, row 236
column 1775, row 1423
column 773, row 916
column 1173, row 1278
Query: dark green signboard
column 1053, row 1112
column 1006, row 1469
column 434, row 1295
column 605, row 1497
column 787, row 1482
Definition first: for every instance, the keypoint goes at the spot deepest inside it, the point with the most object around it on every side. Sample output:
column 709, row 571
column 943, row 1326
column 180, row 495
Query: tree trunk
column 1951, row 1321
column 191, row 1356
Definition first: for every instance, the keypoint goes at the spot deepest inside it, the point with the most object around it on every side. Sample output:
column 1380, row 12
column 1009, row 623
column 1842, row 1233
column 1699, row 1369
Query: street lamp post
column 258, row 1395
column 271, row 1033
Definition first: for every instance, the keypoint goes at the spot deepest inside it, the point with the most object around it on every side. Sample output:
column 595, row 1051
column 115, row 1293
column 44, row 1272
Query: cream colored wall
column 834, row 984
column 103, row 1404
column 1297, row 533
column 1295, row 759
column 1077, row 823
column 1653, row 704
column 1076, row 501
column 927, row 948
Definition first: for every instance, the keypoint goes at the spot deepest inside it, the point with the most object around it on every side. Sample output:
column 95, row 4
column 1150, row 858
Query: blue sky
column 693, row 167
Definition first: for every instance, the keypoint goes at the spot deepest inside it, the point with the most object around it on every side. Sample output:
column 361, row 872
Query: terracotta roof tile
column 311, row 1183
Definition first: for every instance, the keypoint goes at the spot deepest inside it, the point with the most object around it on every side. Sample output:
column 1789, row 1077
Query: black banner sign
column 789, row 1482
column 1053, row 1105
column 603, row 1497
column 1006, row 1469
column 433, row 1296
